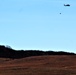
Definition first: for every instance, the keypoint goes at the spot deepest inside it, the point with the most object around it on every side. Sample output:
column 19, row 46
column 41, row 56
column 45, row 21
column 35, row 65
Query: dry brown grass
column 39, row 65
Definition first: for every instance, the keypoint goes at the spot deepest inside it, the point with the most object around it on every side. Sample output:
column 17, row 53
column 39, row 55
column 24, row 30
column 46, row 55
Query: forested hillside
column 8, row 52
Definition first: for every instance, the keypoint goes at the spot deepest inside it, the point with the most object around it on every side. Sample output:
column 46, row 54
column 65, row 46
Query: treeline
column 8, row 52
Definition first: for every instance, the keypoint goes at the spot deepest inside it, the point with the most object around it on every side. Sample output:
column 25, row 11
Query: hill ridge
column 8, row 52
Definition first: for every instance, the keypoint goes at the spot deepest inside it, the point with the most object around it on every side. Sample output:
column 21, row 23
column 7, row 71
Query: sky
column 38, row 24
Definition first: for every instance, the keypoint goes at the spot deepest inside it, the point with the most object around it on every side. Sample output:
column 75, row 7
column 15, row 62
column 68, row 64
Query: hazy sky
column 38, row 24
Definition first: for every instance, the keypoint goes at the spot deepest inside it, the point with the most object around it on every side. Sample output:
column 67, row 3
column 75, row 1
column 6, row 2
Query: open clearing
column 39, row 65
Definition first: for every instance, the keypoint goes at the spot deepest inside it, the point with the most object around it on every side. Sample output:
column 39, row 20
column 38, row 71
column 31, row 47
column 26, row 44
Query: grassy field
column 39, row 65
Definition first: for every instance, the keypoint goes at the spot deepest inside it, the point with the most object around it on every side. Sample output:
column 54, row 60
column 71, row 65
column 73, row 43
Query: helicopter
column 66, row 4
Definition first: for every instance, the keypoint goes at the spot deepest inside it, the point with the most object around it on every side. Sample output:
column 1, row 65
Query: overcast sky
column 38, row 24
